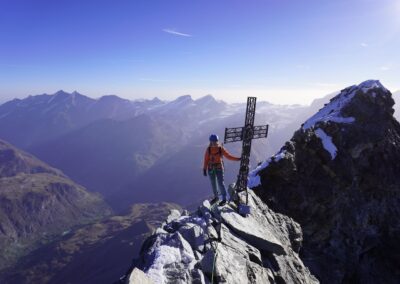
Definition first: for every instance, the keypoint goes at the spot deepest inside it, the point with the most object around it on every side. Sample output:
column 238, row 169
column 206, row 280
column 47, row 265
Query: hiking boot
column 215, row 199
column 222, row 203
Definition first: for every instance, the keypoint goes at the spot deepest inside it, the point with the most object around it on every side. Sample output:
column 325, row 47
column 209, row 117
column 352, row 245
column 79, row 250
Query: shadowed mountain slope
column 38, row 202
column 97, row 253
column 339, row 178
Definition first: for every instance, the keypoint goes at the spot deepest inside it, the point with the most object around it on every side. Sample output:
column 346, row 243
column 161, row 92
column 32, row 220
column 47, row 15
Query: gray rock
column 169, row 258
column 194, row 234
column 174, row 215
column 231, row 266
column 204, row 211
column 249, row 229
column 200, row 249
column 139, row 277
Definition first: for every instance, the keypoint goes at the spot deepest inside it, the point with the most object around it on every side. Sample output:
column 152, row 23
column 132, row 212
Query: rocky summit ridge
column 324, row 208
column 217, row 245
column 338, row 177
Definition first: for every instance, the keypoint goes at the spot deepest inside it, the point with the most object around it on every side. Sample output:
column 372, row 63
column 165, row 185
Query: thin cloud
column 174, row 32
column 363, row 44
column 385, row 68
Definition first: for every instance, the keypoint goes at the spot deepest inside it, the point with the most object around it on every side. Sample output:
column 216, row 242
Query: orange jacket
column 212, row 157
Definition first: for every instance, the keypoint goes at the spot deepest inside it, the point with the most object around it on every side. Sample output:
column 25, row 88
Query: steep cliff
column 338, row 177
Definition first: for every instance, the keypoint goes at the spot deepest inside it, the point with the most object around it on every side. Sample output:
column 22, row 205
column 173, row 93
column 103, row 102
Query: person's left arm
column 229, row 156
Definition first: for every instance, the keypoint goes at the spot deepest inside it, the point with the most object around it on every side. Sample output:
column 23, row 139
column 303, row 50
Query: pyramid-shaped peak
column 112, row 98
column 76, row 93
column 184, row 98
column 371, row 84
column 370, row 92
column 206, row 99
column 61, row 93
column 156, row 100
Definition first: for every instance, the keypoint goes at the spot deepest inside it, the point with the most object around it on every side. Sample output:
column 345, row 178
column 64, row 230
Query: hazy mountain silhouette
column 117, row 147
column 108, row 154
column 36, row 119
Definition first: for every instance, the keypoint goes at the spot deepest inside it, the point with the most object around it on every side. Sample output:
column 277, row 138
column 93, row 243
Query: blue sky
column 279, row 50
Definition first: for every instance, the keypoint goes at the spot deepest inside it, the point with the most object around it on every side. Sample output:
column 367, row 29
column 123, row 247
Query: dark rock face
column 339, row 178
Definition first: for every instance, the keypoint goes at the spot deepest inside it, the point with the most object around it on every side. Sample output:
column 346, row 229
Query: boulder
column 139, row 277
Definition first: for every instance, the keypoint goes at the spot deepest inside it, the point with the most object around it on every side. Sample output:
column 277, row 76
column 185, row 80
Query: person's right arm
column 205, row 163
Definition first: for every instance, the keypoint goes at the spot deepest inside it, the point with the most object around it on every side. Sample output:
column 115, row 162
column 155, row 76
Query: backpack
column 218, row 153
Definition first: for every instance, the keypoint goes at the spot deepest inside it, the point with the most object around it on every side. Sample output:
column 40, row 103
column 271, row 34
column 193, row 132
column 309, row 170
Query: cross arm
column 236, row 134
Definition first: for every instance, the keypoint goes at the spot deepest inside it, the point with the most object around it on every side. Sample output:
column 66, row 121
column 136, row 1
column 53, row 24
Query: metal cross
column 246, row 134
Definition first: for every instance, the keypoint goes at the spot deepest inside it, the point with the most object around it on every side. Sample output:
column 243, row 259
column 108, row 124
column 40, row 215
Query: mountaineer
column 214, row 165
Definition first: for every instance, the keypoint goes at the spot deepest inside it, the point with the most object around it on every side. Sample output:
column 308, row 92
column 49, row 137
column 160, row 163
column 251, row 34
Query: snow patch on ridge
column 371, row 84
column 178, row 250
column 332, row 111
column 327, row 142
column 165, row 255
column 254, row 179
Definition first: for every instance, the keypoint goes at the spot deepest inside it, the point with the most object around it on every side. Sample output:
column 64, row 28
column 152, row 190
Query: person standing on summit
column 214, row 167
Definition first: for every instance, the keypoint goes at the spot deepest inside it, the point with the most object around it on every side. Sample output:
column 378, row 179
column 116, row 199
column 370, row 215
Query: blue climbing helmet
column 214, row 138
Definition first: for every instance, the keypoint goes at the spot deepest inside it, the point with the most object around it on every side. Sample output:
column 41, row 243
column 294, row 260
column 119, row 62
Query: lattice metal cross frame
column 246, row 134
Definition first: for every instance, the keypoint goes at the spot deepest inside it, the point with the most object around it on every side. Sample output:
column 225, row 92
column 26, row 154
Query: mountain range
column 121, row 145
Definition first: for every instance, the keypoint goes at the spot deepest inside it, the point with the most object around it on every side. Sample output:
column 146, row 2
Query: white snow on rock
column 327, row 142
column 178, row 251
column 165, row 255
column 139, row 277
column 254, row 178
column 371, row 84
column 332, row 111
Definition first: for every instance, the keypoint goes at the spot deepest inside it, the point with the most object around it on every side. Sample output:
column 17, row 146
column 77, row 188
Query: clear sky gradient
column 283, row 51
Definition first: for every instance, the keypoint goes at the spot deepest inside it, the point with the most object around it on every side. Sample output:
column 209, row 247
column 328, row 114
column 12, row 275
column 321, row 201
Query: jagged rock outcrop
column 217, row 245
column 339, row 177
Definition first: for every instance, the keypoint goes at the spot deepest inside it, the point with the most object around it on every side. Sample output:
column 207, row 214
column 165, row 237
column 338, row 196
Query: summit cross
column 246, row 134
